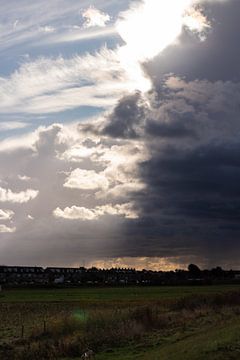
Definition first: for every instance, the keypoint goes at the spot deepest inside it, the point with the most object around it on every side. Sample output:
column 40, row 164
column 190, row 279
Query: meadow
column 174, row 323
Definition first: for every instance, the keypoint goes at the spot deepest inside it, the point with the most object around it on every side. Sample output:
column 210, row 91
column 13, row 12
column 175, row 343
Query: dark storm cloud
column 192, row 201
column 164, row 130
column 126, row 119
column 202, row 182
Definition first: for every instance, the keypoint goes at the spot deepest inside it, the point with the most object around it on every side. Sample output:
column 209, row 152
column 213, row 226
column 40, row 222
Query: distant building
column 59, row 280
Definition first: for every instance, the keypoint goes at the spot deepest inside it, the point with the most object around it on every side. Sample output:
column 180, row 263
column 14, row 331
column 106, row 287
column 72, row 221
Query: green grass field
column 110, row 295
column 172, row 323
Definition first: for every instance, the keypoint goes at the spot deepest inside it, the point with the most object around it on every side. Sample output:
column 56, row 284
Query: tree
column 194, row 270
column 217, row 272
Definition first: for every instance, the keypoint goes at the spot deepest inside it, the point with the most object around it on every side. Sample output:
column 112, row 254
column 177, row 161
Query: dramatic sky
column 120, row 133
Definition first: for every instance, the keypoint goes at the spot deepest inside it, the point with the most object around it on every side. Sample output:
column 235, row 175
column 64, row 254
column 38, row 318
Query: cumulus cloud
column 75, row 213
column 82, row 213
column 6, row 214
column 117, row 162
column 6, row 229
column 13, row 143
column 79, row 152
column 7, row 195
column 86, row 180
column 94, row 17
column 124, row 189
column 24, row 177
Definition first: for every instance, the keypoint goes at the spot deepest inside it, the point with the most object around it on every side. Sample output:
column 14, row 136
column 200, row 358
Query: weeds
column 70, row 334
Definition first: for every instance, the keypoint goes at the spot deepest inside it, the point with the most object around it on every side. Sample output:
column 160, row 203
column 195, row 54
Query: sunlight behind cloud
column 149, row 27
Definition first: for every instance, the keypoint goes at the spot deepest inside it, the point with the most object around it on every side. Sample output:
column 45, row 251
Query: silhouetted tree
column 194, row 270
column 217, row 272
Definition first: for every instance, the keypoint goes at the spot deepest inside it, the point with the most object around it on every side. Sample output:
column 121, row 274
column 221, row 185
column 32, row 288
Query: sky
column 120, row 133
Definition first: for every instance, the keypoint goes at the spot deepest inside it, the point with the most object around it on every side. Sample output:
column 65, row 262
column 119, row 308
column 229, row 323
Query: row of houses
column 14, row 275
column 17, row 275
column 27, row 275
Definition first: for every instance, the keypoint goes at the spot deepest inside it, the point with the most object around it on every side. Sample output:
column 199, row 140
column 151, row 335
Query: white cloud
column 94, row 17
column 79, row 34
column 12, row 125
column 75, row 213
column 119, row 176
column 126, row 210
column 121, row 168
column 47, row 29
column 6, row 214
column 164, row 19
column 86, row 180
column 20, row 22
column 82, row 213
column 124, row 189
column 53, row 85
column 27, row 141
column 6, row 229
column 24, row 178
column 7, row 195
column 15, row 24
column 50, row 85
column 78, row 153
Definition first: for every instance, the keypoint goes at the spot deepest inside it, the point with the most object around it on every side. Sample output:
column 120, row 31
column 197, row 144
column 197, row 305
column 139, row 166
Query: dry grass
column 70, row 334
column 214, row 301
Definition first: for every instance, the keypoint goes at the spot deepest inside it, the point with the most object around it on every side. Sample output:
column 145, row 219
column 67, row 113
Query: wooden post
column 22, row 331
column 44, row 327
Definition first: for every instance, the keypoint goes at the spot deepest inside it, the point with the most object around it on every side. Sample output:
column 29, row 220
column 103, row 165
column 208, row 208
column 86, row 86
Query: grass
column 174, row 323
column 208, row 343
column 107, row 295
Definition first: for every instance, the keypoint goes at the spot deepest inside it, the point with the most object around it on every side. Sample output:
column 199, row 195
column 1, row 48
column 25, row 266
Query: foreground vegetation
column 177, row 323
